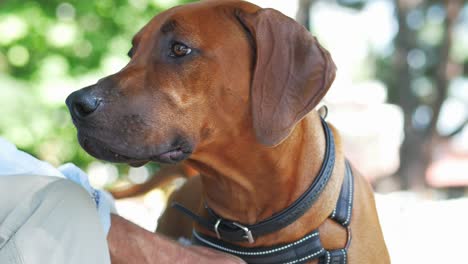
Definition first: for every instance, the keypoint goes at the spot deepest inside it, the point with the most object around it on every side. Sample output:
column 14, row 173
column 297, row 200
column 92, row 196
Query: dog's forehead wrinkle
column 169, row 26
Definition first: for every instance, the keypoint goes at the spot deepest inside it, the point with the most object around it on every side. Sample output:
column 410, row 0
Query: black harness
column 301, row 251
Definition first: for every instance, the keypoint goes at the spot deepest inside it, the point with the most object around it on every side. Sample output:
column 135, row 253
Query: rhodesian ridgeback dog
column 231, row 88
column 161, row 179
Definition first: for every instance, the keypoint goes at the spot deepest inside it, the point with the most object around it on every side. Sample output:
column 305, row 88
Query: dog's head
column 201, row 74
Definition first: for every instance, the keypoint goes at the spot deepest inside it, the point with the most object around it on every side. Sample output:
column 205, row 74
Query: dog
column 161, row 179
column 230, row 89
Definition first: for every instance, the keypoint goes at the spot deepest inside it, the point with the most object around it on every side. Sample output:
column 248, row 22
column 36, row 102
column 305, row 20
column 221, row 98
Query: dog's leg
column 172, row 223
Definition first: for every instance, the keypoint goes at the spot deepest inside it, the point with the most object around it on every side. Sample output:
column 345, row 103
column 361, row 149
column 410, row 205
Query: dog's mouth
column 174, row 155
column 102, row 151
column 99, row 151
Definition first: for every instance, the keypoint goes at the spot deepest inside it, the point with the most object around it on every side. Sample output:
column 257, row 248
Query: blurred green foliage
column 46, row 47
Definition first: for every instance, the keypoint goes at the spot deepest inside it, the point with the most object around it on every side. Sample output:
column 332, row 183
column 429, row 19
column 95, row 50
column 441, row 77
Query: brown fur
column 236, row 109
column 164, row 176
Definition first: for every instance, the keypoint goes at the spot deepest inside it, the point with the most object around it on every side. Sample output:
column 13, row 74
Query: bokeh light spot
column 415, row 19
column 100, row 174
column 138, row 175
column 65, row 12
column 90, row 22
column 12, row 28
column 18, row 56
column 422, row 87
column 165, row 3
column 416, row 58
column 139, row 4
column 454, row 112
column 422, row 116
column 62, row 34
column 83, row 49
column 436, row 14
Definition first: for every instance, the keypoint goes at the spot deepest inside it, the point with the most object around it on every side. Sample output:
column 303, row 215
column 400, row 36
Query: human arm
column 129, row 243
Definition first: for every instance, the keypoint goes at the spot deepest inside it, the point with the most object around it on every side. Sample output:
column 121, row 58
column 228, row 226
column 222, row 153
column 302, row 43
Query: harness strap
column 334, row 257
column 236, row 232
column 342, row 212
column 297, row 252
column 301, row 251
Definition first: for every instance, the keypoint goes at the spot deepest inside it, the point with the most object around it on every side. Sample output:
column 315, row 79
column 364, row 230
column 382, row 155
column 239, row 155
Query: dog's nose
column 82, row 103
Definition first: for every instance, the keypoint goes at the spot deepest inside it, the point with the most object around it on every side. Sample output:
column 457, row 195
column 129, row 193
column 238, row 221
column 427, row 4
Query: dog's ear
column 292, row 73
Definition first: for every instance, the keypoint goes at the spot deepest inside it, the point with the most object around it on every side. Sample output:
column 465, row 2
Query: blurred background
column 400, row 99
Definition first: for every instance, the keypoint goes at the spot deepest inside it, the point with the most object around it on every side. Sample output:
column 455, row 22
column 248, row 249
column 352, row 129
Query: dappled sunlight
column 62, row 34
column 143, row 211
column 102, row 174
column 12, row 28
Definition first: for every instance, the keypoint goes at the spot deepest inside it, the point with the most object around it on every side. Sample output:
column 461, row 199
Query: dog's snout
column 82, row 103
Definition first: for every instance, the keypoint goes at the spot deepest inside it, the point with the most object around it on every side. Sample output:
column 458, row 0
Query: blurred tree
column 303, row 13
column 417, row 73
column 421, row 113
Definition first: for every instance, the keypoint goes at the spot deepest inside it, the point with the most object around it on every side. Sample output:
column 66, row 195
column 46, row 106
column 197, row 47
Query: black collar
column 301, row 251
column 235, row 232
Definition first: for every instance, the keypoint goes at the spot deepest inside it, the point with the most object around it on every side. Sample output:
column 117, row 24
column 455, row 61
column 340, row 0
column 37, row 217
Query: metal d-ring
column 348, row 242
column 323, row 111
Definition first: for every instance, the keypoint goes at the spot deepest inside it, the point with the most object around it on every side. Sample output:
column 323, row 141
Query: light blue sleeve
column 104, row 201
column 16, row 162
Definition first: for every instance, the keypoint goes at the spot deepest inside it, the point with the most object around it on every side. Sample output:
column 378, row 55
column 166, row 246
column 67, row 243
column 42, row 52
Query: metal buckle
column 248, row 233
column 216, row 226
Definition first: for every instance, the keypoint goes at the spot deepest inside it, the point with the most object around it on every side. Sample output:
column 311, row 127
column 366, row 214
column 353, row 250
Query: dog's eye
column 180, row 50
column 131, row 52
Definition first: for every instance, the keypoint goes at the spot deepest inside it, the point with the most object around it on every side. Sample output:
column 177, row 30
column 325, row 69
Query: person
column 53, row 215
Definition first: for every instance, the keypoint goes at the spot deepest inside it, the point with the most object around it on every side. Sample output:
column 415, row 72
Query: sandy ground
column 416, row 230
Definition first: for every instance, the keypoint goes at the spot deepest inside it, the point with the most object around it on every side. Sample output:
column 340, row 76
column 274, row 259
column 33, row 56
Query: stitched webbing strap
column 235, row 232
column 338, row 256
column 342, row 212
column 298, row 252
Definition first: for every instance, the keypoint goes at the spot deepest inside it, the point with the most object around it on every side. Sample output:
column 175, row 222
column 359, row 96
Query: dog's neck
column 247, row 182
